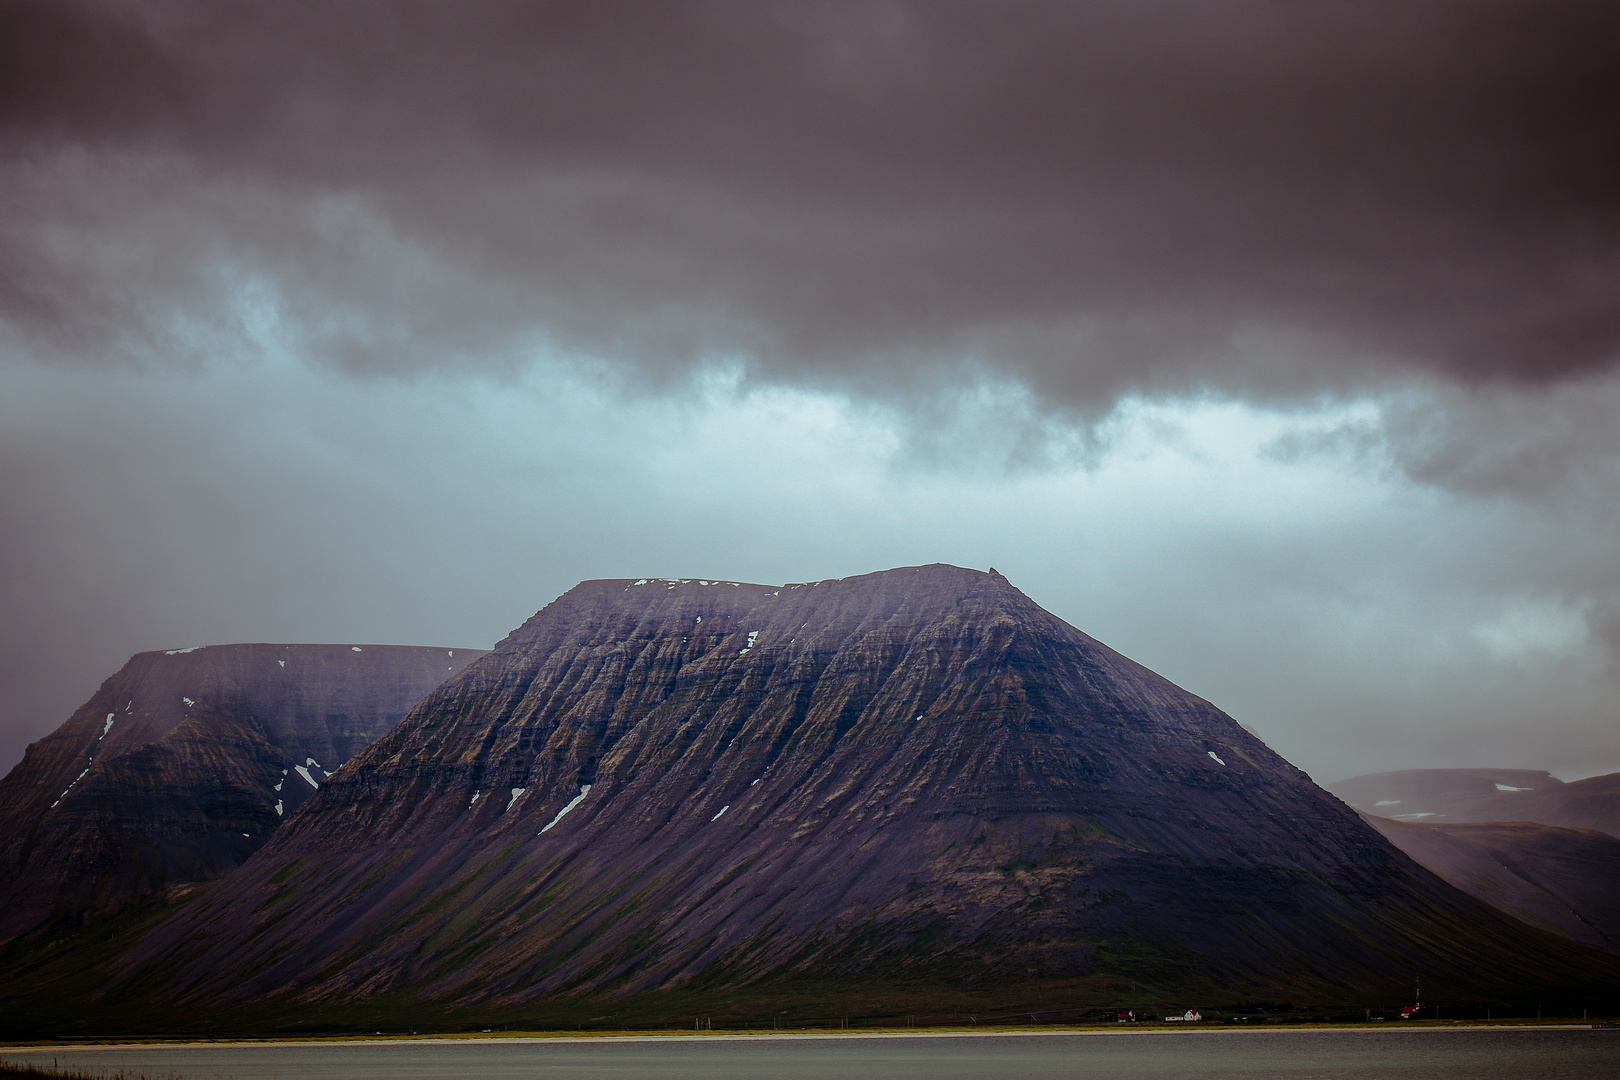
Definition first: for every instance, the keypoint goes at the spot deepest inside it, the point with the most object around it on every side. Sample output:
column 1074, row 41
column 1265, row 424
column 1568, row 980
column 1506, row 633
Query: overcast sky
column 1273, row 344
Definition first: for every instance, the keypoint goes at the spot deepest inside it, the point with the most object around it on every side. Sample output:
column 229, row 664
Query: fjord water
column 1387, row 1054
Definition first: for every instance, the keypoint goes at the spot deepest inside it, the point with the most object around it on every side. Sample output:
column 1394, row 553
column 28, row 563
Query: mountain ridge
column 918, row 774
column 184, row 761
column 1561, row 879
column 1487, row 795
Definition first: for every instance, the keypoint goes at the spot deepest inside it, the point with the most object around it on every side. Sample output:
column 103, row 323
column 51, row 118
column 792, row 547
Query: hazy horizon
column 1274, row 347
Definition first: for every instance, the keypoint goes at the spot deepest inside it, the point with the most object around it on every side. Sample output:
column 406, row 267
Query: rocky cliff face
column 917, row 775
column 1563, row 880
column 185, row 762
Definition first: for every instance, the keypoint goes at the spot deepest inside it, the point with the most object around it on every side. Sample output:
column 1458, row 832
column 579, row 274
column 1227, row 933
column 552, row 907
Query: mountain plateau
column 184, row 763
column 915, row 783
column 1447, row 796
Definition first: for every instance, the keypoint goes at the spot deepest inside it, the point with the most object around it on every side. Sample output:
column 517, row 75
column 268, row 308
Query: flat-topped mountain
column 185, row 762
column 1446, row 796
column 912, row 779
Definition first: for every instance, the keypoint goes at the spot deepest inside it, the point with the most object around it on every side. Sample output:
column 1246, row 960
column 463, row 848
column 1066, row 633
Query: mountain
column 1453, row 795
column 184, row 763
column 1560, row 879
column 910, row 785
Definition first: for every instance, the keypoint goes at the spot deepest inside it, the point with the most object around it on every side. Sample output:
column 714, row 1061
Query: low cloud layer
column 1277, row 562
column 1273, row 344
column 1255, row 198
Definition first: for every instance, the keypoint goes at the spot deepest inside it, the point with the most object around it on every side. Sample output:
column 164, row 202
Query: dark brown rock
column 185, row 762
column 916, row 775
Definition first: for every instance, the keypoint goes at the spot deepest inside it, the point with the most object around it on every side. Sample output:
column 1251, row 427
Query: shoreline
column 528, row 1038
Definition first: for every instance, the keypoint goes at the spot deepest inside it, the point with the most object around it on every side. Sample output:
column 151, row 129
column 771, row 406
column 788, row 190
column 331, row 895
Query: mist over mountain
column 1560, row 879
column 1287, row 331
column 184, row 763
column 916, row 783
column 1436, row 796
column 1274, row 344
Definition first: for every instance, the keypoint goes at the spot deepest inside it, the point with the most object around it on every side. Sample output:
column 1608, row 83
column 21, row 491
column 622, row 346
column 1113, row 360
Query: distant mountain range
column 1447, row 796
column 911, row 789
column 1525, row 842
column 184, row 763
column 1564, row 880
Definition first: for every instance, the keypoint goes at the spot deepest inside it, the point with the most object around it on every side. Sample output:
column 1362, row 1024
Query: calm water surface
column 1566, row 1054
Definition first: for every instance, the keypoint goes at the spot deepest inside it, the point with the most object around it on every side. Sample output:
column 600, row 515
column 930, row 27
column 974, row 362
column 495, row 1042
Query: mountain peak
column 917, row 772
column 185, row 761
column 911, row 591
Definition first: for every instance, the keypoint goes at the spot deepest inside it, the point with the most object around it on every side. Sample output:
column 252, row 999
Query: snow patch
column 754, row 784
column 182, row 652
column 474, row 799
column 108, row 728
column 723, row 809
column 312, row 761
column 1510, row 787
column 641, row 581
column 1212, row 754
column 753, row 635
column 69, row 788
column 188, row 702
column 310, row 780
column 584, row 790
column 283, row 663
column 354, row 648
column 278, row 808
column 517, row 791
column 278, row 785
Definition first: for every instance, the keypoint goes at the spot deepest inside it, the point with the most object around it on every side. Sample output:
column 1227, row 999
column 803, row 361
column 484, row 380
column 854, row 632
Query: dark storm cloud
column 1258, row 198
column 928, row 236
